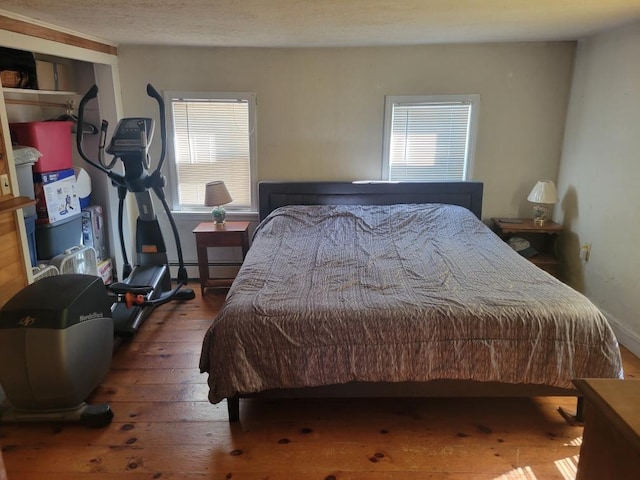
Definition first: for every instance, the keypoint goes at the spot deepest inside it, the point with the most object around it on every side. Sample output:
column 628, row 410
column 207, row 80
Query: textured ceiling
column 320, row 23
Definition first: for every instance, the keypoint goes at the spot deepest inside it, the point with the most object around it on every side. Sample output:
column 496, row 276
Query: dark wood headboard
column 273, row 195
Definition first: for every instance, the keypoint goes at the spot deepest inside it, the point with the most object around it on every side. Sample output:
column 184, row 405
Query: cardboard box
column 65, row 77
column 105, row 271
column 56, row 196
column 45, row 73
column 54, row 76
column 93, row 231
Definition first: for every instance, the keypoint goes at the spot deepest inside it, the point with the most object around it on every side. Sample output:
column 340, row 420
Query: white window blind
column 429, row 138
column 212, row 140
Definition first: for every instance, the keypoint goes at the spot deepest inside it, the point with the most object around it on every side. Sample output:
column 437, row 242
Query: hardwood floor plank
column 142, row 376
column 124, row 431
column 147, row 393
column 188, row 358
column 631, row 364
column 172, row 335
column 298, row 459
column 169, row 412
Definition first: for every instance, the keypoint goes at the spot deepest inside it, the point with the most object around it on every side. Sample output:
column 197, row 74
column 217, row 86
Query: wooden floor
column 164, row 427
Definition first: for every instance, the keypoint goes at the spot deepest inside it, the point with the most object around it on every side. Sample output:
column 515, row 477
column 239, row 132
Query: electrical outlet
column 585, row 251
column 4, row 181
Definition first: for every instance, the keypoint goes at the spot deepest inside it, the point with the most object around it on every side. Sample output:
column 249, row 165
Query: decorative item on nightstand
column 543, row 196
column 216, row 195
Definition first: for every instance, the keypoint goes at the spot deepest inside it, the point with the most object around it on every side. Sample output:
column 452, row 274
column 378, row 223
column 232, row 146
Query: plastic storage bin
column 52, row 139
column 25, row 185
column 24, row 159
column 54, row 238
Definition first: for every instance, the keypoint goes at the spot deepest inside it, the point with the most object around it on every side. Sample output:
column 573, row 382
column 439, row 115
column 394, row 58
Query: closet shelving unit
column 93, row 62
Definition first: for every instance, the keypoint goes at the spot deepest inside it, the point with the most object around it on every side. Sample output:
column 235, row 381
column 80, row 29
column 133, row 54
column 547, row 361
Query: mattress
column 396, row 293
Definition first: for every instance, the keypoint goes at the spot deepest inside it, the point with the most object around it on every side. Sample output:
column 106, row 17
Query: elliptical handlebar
column 93, row 93
column 152, row 92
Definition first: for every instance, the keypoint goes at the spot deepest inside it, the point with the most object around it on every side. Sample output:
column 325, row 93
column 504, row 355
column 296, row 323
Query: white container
column 25, row 185
column 25, row 158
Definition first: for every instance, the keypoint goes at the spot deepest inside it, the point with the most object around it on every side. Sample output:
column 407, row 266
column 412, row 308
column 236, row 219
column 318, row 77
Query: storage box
column 52, row 139
column 65, row 76
column 93, row 231
column 105, row 271
column 54, row 76
column 54, row 238
column 45, row 73
column 56, row 196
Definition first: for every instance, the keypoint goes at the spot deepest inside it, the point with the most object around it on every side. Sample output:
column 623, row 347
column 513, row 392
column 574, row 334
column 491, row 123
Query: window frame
column 172, row 180
column 392, row 100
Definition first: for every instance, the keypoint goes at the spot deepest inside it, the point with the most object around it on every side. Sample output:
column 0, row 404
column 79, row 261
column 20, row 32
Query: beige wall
column 598, row 178
column 320, row 111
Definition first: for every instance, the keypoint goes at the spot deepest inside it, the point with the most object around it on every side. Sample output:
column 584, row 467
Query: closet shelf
column 29, row 91
column 69, row 105
column 15, row 203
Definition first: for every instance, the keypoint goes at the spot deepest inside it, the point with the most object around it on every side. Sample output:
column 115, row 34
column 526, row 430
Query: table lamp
column 543, row 196
column 216, row 195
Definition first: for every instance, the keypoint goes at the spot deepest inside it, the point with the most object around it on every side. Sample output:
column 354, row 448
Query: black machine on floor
column 56, row 344
column 148, row 284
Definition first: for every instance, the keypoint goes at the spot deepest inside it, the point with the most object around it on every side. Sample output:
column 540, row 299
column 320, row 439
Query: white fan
column 81, row 259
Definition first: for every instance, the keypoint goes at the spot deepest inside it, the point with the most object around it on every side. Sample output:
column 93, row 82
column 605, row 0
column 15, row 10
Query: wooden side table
column 209, row 234
column 542, row 238
column 611, row 438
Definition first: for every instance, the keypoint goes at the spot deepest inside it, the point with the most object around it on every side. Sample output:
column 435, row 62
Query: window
column 213, row 139
column 429, row 138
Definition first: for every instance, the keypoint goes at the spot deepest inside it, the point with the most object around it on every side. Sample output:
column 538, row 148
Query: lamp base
column 218, row 215
column 541, row 214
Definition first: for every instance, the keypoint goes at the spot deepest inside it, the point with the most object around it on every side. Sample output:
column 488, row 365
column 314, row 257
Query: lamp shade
column 216, row 194
column 543, row 192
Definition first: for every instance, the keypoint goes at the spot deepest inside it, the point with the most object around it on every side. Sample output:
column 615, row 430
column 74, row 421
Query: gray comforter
column 334, row 294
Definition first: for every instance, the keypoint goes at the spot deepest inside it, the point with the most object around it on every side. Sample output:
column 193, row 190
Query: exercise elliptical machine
column 148, row 284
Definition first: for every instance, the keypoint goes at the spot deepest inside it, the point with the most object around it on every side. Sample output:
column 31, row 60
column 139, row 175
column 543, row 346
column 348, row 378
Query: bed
column 383, row 289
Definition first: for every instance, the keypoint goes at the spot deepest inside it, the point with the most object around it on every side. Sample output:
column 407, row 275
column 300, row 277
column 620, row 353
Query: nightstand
column 542, row 238
column 209, row 235
column 611, row 437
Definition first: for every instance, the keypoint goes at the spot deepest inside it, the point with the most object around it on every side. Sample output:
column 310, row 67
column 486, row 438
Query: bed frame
column 273, row 195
